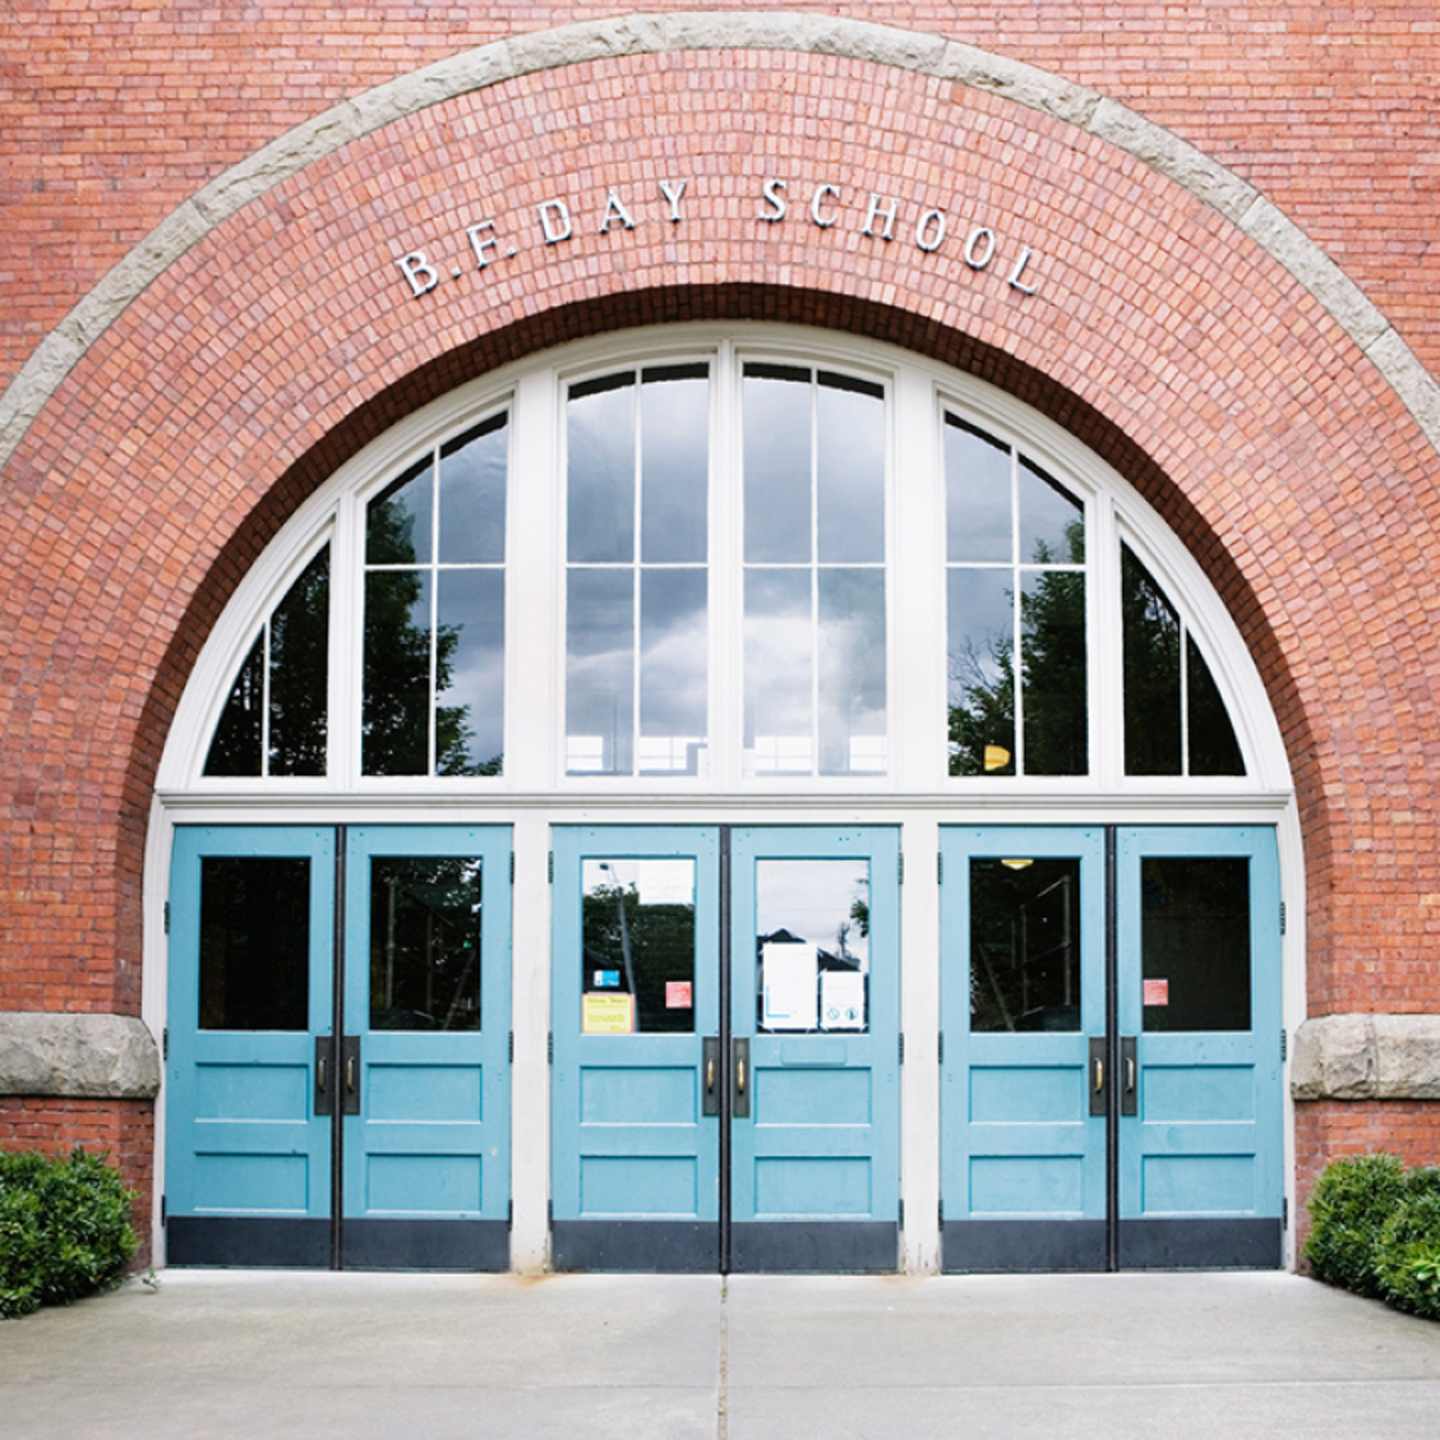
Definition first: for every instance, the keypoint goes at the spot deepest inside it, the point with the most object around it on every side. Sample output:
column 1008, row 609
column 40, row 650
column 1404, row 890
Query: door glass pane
column 254, row 942
column 469, row 672
column 425, row 943
column 1053, row 666
column 637, row 966
column 777, row 400
column 1024, row 944
column 778, row 699
column 981, row 671
column 850, row 474
column 812, row 946
column 599, row 671
column 395, row 723
column 601, row 448
column 397, row 521
column 852, row 672
column 299, row 672
column 1195, row 943
column 977, row 494
column 472, row 494
column 673, row 649
column 675, row 450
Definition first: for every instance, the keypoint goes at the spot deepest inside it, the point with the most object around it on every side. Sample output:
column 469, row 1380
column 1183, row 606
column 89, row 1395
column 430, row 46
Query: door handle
column 351, row 1052
column 1129, row 1097
column 324, row 1101
column 1097, row 1086
column 740, row 1056
column 710, row 1058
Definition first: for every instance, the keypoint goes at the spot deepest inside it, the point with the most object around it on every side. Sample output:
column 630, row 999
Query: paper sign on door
column 608, row 1014
column 788, row 971
column 1157, row 992
column 842, row 1000
column 679, row 995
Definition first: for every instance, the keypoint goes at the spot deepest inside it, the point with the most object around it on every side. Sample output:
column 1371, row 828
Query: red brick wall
column 1327, row 1129
column 122, row 1129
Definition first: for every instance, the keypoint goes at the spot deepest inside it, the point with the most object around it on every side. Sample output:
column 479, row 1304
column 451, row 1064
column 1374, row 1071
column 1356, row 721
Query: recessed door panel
column 1022, row 1085
column 425, row 1073
column 247, row 1172
column 635, row 1085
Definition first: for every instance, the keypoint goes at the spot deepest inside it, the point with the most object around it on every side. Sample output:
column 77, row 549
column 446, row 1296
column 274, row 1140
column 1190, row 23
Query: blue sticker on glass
column 607, row 980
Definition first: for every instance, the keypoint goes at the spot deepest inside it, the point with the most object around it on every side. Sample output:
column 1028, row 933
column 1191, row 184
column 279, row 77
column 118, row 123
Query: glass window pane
column 1152, row 672
column 778, row 716
column 235, row 746
column 1024, row 944
column 852, row 672
column 397, row 521
column 1214, row 749
column 777, row 463
column 601, row 467
column 599, row 672
column 675, row 451
column 395, row 720
column 472, row 494
column 470, row 672
column 299, row 673
column 1052, row 520
column 673, row 650
column 1053, row 667
column 637, row 969
column 425, row 943
column 812, row 945
column 850, row 477
column 982, row 681
column 254, row 942
column 977, row 494
column 1195, row 943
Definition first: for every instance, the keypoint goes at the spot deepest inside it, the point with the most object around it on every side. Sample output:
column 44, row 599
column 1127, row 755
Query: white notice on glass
column 788, row 970
column 842, row 1000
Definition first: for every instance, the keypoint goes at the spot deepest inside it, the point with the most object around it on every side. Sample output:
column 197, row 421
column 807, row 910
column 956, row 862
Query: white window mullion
column 814, row 573
column 1184, row 699
column 265, row 695
column 1104, row 641
column 1018, row 585
column 725, row 592
column 637, row 573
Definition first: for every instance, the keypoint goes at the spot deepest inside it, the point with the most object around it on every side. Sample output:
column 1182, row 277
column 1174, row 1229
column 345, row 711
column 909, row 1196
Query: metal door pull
column 1099, row 1076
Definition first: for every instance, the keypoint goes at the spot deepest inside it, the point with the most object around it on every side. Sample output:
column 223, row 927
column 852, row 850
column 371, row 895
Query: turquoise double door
column 1112, row 1048
column 337, row 1047
column 725, row 1049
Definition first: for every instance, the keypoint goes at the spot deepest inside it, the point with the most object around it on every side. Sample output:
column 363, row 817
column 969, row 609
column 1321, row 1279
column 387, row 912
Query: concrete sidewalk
column 439, row 1356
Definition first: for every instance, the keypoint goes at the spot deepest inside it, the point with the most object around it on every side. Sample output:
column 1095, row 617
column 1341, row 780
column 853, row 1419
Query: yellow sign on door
column 606, row 1013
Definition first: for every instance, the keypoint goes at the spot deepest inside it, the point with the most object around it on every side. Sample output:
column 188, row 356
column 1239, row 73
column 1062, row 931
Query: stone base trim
column 105, row 1057
column 1367, row 1057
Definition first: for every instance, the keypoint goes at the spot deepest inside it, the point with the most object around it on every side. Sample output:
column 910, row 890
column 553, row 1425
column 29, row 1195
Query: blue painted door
column 637, row 1079
column 814, row 1049
column 1200, row 1028
column 1023, row 1154
column 247, row 1158
column 426, row 1076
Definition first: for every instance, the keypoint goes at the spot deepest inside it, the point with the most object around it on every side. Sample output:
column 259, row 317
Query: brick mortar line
column 918, row 52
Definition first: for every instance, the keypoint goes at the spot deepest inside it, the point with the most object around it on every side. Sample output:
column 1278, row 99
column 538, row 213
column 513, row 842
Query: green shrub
column 1350, row 1204
column 1407, row 1260
column 65, row 1229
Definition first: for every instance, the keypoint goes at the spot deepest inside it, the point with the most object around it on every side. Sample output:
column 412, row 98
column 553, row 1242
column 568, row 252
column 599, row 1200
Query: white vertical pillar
column 920, row 1019
column 530, row 1071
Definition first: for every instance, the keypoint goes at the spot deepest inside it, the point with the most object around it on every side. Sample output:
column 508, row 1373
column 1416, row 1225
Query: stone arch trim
column 921, row 53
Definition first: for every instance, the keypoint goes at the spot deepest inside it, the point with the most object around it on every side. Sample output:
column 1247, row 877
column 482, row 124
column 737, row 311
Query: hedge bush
column 1407, row 1260
column 65, row 1229
column 1349, row 1207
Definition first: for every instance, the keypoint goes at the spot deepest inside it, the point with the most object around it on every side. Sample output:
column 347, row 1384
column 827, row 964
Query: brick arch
column 284, row 338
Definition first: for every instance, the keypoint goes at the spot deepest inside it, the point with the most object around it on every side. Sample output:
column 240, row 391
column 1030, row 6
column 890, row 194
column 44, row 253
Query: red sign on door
column 679, row 994
column 1157, row 992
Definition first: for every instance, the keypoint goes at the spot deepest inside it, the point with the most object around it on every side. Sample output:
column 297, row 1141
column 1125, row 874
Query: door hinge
column 512, row 867
column 550, row 867
column 165, row 1043
column 1285, row 1212
column 901, row 1218
column 550, row 1213
column 167, row 917
column 1284, row 1043
column 900, row 867
column 510, row 1048
column 940, row 1047
column 163, row 1210
column 1282, row 917
column 939, row 867
column 900, row 1048
column 510, row 1215
column 550, row 1047
column 940, row 1214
